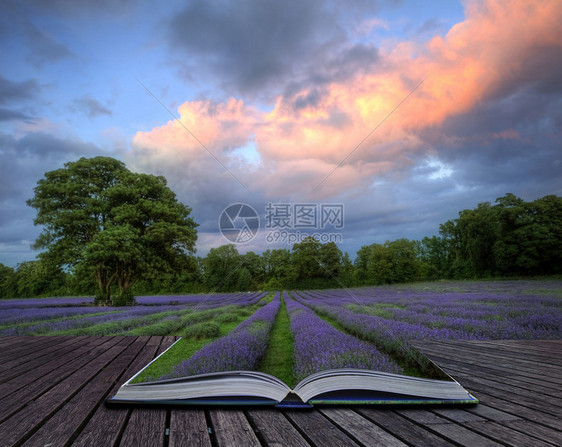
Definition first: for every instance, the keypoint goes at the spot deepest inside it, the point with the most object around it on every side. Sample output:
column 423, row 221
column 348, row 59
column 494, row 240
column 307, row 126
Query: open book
column 337, row 386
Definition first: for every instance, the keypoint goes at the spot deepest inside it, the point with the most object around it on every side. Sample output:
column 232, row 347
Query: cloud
column 13, row 94
column 91, row 107
column 12, row 91
column 252, row 46
column 318, row 132
column 193, row 154
column 43, row 46
column 13, row 115
column 486, row 119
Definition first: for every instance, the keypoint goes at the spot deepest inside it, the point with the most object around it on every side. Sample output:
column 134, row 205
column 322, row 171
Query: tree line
column 114, row 234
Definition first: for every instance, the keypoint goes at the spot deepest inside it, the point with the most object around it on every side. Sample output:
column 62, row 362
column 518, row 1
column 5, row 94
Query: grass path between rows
column 278, row 359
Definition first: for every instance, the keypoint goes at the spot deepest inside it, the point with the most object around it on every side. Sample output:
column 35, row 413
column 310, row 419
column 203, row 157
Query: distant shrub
column 227, row 318
column 200, row 331
column 244, row 312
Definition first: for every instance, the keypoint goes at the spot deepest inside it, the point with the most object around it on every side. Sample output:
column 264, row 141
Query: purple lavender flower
column 319, row 346
column 240, row 350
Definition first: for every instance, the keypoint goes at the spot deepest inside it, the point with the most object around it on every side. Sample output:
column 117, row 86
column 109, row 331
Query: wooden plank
column 318, row 430
column 24, row 377
column 26, row 347
column 500, row 377
column 6, row 340
column 402, row 428
column 546, row 404
column 138, row 416
column 547, row 434
column 61, row 427
column 17, row 366
column 498, row 349
column 463, row 435
column 519, row 410
column 458, row 415
column 463, row 362
column 499, row 367
column 513, row 349
column 145, row 428
column 422, row 416
column 453, row 428
column 231, row 428
column 361, row 429
column 16, row 400
column 514, row 366
column 527, row 385
column 17, row 342
column 189, row 428
column 20, row 353
column 506, row 434
column 495, row 363
column 108, row 422
column 492, row 414
column 274, row 429
column 537, row 385
column 14, row 429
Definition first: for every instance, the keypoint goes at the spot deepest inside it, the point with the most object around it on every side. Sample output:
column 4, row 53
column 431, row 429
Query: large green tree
column 306, row 259
column 98, row 217
column 225, row 270
column 530, row 236
column 8, row 282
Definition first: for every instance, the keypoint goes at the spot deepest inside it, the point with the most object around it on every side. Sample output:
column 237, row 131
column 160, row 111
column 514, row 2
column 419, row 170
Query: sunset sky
column 405, row 114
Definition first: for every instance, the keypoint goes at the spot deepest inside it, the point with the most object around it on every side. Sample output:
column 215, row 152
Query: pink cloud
column 486, row 56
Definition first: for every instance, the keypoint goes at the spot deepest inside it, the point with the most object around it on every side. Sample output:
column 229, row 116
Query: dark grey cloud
column 509, row 143
column 42, row 47
column 91, row 107
column 11, row 91
column 311, row 99
column 13, row 115
column 251, row 46
column 15, row 95
column 72, row 8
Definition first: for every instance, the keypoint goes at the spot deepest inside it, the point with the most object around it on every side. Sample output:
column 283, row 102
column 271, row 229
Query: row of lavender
column 160, row 300
column 405, row 314
column 19, row 317
column 240, row 350
column 318, row 346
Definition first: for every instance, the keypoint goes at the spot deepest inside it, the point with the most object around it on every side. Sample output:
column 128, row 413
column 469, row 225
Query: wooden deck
column 52, row 393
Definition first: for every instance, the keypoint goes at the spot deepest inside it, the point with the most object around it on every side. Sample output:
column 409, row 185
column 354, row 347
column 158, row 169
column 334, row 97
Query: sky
column 403, row 113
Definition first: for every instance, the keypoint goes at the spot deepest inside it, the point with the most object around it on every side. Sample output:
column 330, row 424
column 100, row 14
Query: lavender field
column 312, row 330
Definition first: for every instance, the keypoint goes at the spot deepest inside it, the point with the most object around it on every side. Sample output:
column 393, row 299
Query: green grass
column 278, row 359
column 186, row 347
column 202, row 331
column 187, row 318
column 152, row 324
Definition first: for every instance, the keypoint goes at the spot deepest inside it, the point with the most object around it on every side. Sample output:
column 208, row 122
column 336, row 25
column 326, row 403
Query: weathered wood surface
column 53, row 389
